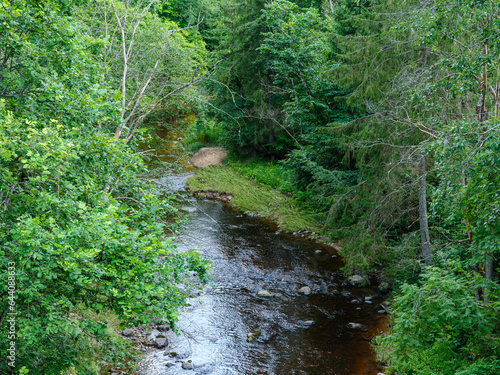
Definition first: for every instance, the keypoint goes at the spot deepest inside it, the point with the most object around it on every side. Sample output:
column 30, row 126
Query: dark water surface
column 299, row 334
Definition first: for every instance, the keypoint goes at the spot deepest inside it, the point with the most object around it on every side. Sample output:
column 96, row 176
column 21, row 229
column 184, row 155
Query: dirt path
column 208, row 156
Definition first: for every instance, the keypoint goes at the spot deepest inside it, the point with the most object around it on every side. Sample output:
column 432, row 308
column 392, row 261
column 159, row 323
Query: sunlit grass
column 248, row 195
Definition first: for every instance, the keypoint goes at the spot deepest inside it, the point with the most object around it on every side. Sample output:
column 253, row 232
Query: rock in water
column 163, row 327
column 253, row 335
column 187, row 365
column 160, row 342
column 346, row 294
column 356, row 326
column 305, row 290
column 264, row 293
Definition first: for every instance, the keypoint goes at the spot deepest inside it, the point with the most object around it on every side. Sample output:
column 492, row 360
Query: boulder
column 346, row 294
column 152, row 334
column 187, row 365
column 163, row 327
column 251, row 214
column 305, row 290
column 208, row 156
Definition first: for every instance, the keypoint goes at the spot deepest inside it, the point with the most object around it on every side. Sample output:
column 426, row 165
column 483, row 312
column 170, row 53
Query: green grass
column 249, row 195
column 266, row 173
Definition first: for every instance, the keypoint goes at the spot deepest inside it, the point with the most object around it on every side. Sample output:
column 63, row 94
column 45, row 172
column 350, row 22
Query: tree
column 76, row 244
column 46, row 69
column 81, row 232
column 147, row 59
column 452, row 313
column 296, row 53
column 469, row 67
column 422, row 208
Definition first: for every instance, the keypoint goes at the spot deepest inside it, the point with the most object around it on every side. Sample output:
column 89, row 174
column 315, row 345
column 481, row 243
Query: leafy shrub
column 80, row 229
column 438, row 327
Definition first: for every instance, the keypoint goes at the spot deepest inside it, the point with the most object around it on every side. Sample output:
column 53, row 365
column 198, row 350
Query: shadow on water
column 298, row 334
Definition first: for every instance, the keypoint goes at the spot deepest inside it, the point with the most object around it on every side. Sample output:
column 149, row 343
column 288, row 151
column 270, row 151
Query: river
column 299, row 334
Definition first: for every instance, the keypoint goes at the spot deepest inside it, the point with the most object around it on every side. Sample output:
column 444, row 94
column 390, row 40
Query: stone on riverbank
column 160, row 341
column 127, row 332
column 264, row 293
column 305, row 290
column 253, row 335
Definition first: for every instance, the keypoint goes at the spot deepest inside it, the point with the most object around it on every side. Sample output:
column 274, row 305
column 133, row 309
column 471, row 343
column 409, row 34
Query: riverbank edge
column 226, row 184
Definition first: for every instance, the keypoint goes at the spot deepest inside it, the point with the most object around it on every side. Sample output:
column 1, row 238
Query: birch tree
column 147, row 59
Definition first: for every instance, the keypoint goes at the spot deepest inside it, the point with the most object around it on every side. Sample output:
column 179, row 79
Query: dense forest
column 380, row 118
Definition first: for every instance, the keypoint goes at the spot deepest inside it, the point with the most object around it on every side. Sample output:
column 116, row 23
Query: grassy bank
column 255, row 197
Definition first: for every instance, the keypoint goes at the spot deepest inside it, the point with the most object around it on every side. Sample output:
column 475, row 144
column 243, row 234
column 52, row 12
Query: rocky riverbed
column 278, row 304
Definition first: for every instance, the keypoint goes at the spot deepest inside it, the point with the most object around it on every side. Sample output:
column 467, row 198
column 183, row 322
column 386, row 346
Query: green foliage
column 459, row 30
column 265, row 173
column 253, row 197
column 81, row 228
column 160, row 64
column 271, row 89
column 439, row 327
column 47, row 69
column 78, row 220
column 468, row 168
column 202, row 133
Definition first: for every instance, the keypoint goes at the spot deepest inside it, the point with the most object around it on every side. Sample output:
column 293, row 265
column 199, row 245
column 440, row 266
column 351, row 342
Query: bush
column 79, row 228
column 438, row 327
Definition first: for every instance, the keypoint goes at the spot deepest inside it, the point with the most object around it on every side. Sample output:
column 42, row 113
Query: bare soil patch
column 208, row 156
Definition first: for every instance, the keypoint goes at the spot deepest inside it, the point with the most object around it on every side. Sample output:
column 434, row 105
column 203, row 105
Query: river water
column 298, row 334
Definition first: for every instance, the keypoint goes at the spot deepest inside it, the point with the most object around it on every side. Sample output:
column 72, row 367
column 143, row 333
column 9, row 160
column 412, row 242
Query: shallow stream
column 299, row 334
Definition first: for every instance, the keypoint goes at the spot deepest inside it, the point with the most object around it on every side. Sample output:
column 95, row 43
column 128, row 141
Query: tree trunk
column 488, row 274
column 422, row 203
column 331, row 6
